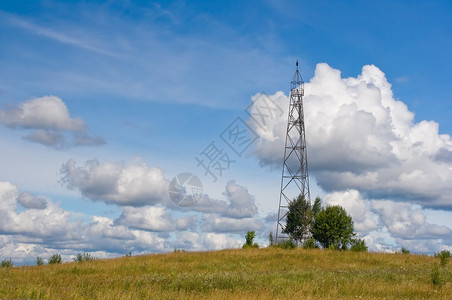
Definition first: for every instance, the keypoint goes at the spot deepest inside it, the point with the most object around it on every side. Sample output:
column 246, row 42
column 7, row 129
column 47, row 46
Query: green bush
column 309, row 243
column 287, row 244
column 405, row 251
column 249, row 240
column 84, row 257
column 271, row 240
column 358, row 245
column 39, row 261
column 443, row 256
column 7, row 263
column 436, row 276
column 55, row 259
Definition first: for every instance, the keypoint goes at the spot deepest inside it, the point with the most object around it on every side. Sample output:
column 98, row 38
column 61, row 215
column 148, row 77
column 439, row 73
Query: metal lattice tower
column 294, row 180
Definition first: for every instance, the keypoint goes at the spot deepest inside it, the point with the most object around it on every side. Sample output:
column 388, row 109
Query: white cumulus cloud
column 42, row 219
column 237, row 214
column 48, row 112
column 404, row 221
column 216, row 241
column 154, row 218
column 216, row 223
column 30, row 201
column 49, row 119
column 241, row 203
column 387, row 225
column 360, row 137
column 134, row 184
column 41, row 227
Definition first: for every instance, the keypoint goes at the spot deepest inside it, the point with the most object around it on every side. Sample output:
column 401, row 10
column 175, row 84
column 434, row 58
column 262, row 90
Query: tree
column 39, row 261
column 249, row 240
column 444, row 255
column 55, row 259
column 84, row 257
column 316, row 207
column 358, row 245
column 333, row 227
column 405, row 250
column 299, row 219
column 271, row 239
column 7, row 263
column 309, row 243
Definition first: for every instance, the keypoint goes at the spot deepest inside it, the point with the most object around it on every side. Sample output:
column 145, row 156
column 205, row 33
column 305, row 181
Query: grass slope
column 253, row 273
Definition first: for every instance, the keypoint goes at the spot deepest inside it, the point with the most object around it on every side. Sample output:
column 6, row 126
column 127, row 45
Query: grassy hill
column 252, row 273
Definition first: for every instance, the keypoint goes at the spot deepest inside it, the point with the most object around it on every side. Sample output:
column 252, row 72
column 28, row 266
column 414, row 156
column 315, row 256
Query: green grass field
column 252, row 273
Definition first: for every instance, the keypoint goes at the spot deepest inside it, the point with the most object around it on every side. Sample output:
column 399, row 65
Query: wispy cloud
column 146, row 58
column 56, row 35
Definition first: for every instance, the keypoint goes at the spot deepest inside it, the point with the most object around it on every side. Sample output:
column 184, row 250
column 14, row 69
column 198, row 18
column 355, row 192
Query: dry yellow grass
column 252, row 274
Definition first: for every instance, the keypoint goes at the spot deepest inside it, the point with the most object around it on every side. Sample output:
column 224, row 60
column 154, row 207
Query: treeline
column 53, row 259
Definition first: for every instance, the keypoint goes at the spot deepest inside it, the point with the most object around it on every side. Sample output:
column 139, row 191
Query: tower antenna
column 294, row 179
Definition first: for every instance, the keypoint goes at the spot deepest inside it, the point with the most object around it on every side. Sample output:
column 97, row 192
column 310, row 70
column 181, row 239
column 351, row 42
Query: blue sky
column 103, row 103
